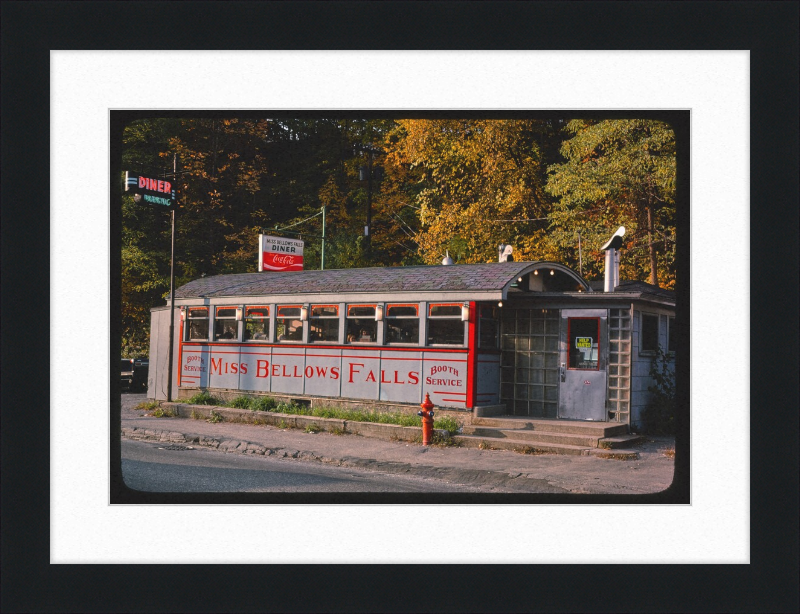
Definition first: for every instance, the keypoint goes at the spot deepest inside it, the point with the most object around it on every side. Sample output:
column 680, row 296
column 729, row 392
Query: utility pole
column 322, row 259
column 172, row 286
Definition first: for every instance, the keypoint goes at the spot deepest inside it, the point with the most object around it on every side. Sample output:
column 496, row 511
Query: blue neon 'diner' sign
column 150, row 189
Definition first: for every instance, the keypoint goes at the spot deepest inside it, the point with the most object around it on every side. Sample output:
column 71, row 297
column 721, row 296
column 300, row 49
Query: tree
column 618, row 172
column 480, row 183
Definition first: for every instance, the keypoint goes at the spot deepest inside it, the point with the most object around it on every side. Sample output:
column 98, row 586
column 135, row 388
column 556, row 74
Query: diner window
column 584, row 343
column 402, row 323
column 648, row 339
column 225, row 325
column 445, row 326
column 488, row 327
column 324, row 324
column 256, row 323
column 361, row 324
column 197, row 324
column 288, row 323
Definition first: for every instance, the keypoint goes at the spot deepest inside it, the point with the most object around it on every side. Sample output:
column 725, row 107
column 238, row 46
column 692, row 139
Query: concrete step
column 543, row 437
column 595, row 429
column 620, row 441
column 519, row 445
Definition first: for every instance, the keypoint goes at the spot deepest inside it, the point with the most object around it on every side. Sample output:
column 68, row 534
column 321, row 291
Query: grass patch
column 214, row 417
column 263, row 404
column 484, row 445
column 148, row 405
column 196, row 416
column 670, row 453
column 242, row 402
column 337, row 431
column 282, row 425
column 312, row 428
column 164, row 413
column 203, row 398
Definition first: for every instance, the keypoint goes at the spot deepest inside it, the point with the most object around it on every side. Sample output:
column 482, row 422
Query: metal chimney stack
column 612, row 260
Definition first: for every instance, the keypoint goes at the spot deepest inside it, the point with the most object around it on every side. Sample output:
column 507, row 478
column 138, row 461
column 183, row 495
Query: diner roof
column 490, row 278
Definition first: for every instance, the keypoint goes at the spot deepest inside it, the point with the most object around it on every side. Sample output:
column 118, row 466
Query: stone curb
column 469, row 477
column 390, row 432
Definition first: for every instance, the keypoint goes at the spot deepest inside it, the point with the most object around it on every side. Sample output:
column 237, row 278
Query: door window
column 584, row 343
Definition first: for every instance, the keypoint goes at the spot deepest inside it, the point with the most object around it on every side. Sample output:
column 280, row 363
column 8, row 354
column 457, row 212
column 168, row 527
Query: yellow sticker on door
column 583, row 342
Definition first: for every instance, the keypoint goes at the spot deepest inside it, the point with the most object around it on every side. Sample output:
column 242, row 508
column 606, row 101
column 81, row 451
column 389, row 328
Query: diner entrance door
column 582, row 364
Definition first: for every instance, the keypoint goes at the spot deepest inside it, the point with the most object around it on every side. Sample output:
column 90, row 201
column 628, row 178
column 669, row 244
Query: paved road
column 161, row 467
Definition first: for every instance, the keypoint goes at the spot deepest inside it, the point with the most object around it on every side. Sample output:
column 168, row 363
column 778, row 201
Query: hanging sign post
column 161, row 194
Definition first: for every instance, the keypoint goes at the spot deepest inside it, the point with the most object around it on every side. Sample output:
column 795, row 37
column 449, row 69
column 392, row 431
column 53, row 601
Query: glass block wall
column 529, row 371
column 619, row 365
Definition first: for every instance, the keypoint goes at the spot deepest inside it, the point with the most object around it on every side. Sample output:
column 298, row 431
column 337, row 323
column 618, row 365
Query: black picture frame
column 768, row 30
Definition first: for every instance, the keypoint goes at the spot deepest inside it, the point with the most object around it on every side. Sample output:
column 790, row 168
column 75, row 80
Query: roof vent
column 504, row 253
column 447, row 259
column 612, row 260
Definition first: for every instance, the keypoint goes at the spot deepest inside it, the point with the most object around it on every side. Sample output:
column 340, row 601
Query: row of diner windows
column 445, row 324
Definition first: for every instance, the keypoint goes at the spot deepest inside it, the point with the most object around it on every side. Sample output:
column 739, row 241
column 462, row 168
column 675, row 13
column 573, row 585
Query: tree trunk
column 653, row 264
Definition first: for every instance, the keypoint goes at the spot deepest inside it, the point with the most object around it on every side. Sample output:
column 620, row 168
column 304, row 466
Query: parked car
column 134, row 374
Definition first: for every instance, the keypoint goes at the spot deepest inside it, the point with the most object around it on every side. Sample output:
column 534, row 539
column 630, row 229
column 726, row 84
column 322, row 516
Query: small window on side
column 225, row 324
column 445, row 326
column 324, row 323
column 361, row 324
column 256, row 323
column 402, row 324
column 288, row 325
column 648, row 339
column 197, row 324
column 488, row 328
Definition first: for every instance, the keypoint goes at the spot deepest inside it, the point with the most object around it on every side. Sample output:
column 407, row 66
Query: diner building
column 509, row 338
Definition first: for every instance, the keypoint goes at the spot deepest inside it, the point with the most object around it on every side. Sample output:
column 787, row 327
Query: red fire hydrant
column 427, row 420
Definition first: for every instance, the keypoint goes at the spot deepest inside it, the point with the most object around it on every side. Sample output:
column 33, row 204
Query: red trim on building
column 472, row 356
column 180, row 354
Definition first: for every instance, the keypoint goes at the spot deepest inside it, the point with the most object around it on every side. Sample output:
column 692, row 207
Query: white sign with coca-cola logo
column 279, row 254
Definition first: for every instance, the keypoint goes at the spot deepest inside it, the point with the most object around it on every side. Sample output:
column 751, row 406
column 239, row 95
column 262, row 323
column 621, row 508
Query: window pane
column 445, row 332
column 445, row 310
column 324, row 311
column 225, row 329
column 257, row 312
column 649, row 332
column 289, row 329
column 324, row 329
column 289, row 312
column 583, row 342
column 198, row 330
column 362, row 330
column 198, row 312
column 256, row 329
column 366, row 311
column 402, row 331
column 226, row 312
column 397, row 311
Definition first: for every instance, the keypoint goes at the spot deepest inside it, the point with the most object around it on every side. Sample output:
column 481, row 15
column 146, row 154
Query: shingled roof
column 437, row 278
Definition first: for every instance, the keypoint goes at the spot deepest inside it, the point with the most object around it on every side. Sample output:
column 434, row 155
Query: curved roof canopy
column 492, row 279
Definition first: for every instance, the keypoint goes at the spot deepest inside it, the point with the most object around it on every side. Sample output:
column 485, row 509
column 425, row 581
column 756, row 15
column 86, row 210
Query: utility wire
column 300, row 222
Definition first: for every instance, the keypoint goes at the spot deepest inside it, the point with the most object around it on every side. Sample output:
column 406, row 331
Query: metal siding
column 398, row 371
column 322, row 373
column 360, row 375
column 194, row 366
column 287, row 368
column 439, row 367
column 256, row 375
column 488, row 379
column 222, row 373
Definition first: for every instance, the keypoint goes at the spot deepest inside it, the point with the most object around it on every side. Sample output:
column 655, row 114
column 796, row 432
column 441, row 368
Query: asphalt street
column 164, row 467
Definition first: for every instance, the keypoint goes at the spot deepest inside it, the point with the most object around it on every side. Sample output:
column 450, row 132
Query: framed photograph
column 61, row 528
